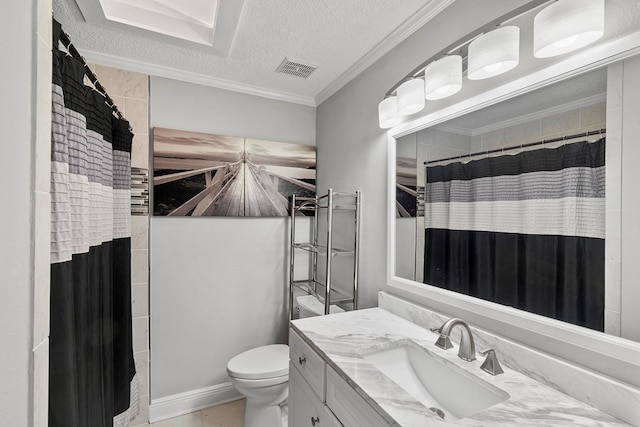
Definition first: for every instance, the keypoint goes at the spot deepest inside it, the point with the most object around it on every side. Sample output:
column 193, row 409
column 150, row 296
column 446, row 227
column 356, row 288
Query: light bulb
column 566, row 42
column 494, row 53
column 567, row 25
column 443, row 77
column 444, row 89
column 493, row 67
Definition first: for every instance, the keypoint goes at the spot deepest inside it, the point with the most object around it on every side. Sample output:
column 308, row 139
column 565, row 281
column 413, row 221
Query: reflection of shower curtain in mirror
column 524, row 230
column 91, row 370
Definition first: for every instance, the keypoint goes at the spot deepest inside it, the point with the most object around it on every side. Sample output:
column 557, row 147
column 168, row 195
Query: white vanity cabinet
column 305, row 407
column 319, row 397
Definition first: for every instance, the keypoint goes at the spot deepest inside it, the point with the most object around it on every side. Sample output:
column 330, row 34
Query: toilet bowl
column 262, row 375
column 309, row 306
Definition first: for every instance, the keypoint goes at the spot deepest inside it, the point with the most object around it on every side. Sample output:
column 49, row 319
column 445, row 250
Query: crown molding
column 190, row 77
column 410, row 26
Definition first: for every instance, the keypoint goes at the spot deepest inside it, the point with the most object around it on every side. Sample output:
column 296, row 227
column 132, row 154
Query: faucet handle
column 491, row 364
column 444, row 342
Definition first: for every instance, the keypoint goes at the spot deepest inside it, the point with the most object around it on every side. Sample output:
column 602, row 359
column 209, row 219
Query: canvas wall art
column 406, row 187
column 200, row 174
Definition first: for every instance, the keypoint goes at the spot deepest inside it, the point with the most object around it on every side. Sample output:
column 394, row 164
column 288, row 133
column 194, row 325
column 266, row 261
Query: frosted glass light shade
column 567, row 25
column 410, row 97
column 388, row 112
column 443, row 77
column 494, row 53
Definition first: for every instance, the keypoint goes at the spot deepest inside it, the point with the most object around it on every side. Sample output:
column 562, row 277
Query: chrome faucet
column 467, row 350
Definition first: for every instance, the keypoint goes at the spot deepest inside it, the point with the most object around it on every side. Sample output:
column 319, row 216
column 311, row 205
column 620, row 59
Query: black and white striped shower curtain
column 525, row 230
column 91, row 368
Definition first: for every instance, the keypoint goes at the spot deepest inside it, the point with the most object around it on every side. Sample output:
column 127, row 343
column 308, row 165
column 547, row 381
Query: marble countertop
column 342, row 339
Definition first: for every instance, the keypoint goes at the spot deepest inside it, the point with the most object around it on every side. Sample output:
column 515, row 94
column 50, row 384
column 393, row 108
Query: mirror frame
column 606, row 354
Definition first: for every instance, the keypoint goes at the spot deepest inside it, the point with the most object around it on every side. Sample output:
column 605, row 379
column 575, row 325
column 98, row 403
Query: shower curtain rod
column 66, row 41
column 530, row 144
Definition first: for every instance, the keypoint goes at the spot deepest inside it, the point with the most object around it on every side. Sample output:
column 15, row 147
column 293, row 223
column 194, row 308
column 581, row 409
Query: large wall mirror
column 575, row 116
column 507, row 204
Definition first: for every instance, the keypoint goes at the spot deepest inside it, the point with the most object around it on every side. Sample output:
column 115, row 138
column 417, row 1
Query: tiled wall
column 588, row 118
column 130, row 92
column 434, row 144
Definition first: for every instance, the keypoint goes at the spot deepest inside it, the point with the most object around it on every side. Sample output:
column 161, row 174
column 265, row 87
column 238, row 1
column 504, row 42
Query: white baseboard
column 191, row 401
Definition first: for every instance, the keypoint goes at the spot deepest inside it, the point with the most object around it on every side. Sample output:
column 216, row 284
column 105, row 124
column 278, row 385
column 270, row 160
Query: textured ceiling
column 336, row 36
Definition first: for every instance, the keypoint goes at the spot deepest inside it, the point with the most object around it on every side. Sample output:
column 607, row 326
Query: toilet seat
column 266, row 362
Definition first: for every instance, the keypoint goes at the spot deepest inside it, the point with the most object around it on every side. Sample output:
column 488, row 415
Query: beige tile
column 137, row 112
column 593, row 115
column 123, row 83
column 612, row 245
column 227, row 415
column 142, row 419
column 140, row 300
column 140, row 151
column 140, row 334
column 522, row 133
column 427, row 137
column 189, row 420
column 615, row 76
column 141, row 360
column 41, row 385
column 494, row 139
column 445, row 139
column 560, row 124
column 121, row 103
column 475, row 144
column 139, row 266
column 139, row 232
column 613, row 166
column 612, row 285
column 612, row 322
column 436, row 153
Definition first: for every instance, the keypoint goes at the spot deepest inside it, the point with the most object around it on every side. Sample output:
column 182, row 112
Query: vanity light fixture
column 388, row 112
column 443, row 77
column 567, row 25
column 492, row 49
column 410, row 96
column 494, row 53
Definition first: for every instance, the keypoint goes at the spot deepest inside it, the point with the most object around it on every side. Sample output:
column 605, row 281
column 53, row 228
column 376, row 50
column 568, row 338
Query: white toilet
column 262, row 375
column 309, row 306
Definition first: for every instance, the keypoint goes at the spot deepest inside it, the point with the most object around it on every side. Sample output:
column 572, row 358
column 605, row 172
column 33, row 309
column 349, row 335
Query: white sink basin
column 435, row 382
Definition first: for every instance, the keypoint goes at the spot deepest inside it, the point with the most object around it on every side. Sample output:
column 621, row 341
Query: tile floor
column 227, row 415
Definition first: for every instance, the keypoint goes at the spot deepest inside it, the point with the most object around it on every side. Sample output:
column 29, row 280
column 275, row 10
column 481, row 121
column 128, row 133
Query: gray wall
column 16, row 121
column 217, row 284
column 352, row 149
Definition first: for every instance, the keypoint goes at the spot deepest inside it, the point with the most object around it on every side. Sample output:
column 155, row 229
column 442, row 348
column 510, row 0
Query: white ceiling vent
column 295, row 68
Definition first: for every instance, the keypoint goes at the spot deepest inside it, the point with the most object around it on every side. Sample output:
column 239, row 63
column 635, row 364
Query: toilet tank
column 309, row 306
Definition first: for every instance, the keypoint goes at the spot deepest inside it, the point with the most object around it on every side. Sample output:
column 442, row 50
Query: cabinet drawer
column 308, row 363
column 305, row 408
column 350, row 408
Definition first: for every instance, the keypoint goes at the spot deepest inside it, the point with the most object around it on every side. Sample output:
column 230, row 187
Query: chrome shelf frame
column 327, row 204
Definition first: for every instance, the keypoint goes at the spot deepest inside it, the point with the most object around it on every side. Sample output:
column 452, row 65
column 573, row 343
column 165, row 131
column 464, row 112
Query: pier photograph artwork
column 406, row 187
column 201, row 174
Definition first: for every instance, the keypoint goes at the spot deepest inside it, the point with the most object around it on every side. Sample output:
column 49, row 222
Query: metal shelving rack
column 327, row 205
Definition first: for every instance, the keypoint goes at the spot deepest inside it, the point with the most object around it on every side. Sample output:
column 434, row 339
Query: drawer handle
column 302, row 361
column 315, row 420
